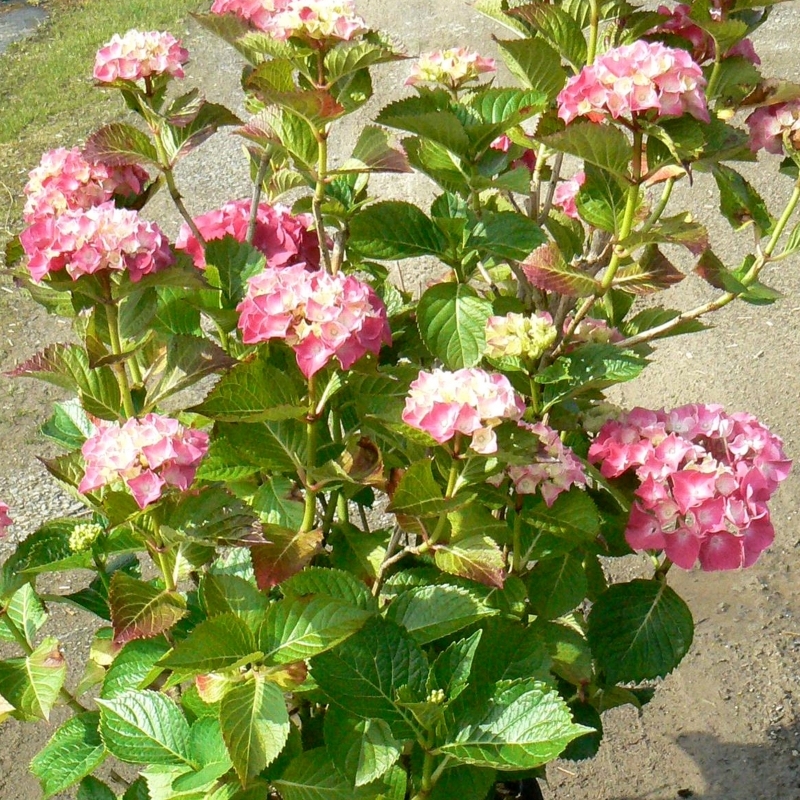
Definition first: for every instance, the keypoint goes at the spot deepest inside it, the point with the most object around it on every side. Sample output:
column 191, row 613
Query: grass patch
column 47, row 97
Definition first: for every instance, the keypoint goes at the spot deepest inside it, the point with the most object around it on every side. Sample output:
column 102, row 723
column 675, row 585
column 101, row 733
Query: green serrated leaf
column 255, row 725
column 68, row 426
column 524, row 726
column 419, row 495
column 478, row 558
column 506, row 235
column 140, row 610
column 639, row 630
column 394, row 230
column 222, row 642
column 32, row 684
column 26, row 611
column 73, row 751
column 557, row 585
column 231, row 264
column 143, row 727
column 602, row 145
column 120, row 144
column 374, row 152
column 557, row 26
column 739, row 202
column 334, row 583
column 363, row 674
column 452, row 322
column 253, row 392
column 134, row 667
column 298, row 628
column 451, row 670
column 433, row 612
column 362, row 750
column 92, row 788
column 535, row 63
column 286, row 552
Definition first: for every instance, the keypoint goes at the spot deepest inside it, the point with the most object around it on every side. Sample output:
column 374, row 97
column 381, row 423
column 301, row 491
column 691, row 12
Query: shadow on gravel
column 770, row 771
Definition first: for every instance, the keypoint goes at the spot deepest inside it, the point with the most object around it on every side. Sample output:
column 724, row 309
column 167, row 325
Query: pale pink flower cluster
column 467, row 401
column 140, row 54
column 146, row 454
column 566, row 192
column 553, row 469
column 5, row 520
column 678, row 22
column 635, row 78
column 769, row 124
column 103, row 237
column 318, row 315
column 705, row 477
column 518, row 335
column 66, row 181
column 315, row 20
column 280, row 235
column 451, row 68
column 592, row 331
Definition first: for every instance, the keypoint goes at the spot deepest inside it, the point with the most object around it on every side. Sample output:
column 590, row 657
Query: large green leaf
column 253, row 392
column 48, row 550
column 557, row 26
column 364, row 673
column 603, row 145
column 119, row 144
column 26, row 611
column 573, row 516
column 464, row 782
column 433, row 612
column 361, row 749
column 394, row 230
column 73, row 751
column 313, row 776
column 524, row 726
column 374, row 152
column 418, row 494
column 68, row 426
column 134, row 667
column 557, row 585
column 349, row 57
column 277, row 502
column 203, row 121
column 335, row 583
column 739, row 202
column 92, row 788
column 143, row 727
column 430, row 117
column 222, row 642
column 509, row 651
column 297, row 628
column 140, row 610
column 452, row 322
column 229, row 265
column 639, row 630
column 506, row 235
column 255, row 725
column 32, row 684
column 535, row 63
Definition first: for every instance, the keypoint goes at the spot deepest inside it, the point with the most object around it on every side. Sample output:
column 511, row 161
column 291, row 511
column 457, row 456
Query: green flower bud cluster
column 83, row 536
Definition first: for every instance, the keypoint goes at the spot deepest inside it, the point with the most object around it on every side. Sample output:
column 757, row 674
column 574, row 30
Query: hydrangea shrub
column 341, row 540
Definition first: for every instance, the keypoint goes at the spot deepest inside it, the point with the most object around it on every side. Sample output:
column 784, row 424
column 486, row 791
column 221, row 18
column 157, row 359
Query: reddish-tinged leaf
column 714, row 272
column 140, row 610
column 283, row 554
column 651, row 273
column 119, row 144
column 680, row 229
column 547, row 270
column 477, row 557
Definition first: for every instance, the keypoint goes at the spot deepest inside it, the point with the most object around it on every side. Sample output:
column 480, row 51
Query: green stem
column 452, row 481
column 661, row 572
column 630, row 212
column 594, row 29
column 713, row 79
column 263, row 165
column 427, row 777
column 516, row 564
column 22, row 641
column 319, row 198
column 177, row 198
column 100, row 566
column 118, row 367
column 310, row 510
column 655, row 214
column 164, row 567
column 781, row 224
column 342, row 509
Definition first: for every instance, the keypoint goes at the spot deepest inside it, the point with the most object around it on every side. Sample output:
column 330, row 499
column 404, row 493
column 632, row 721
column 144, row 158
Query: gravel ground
column 725, row 725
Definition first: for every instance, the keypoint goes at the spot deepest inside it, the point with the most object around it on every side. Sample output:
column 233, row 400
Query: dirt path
column 726, row 725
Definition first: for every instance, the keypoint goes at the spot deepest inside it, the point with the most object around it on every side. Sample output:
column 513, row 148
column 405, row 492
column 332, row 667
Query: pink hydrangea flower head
column 317, row 21
column 553, row 469
column 280, row 235
column 769, row 125
column 146, row 455
column 100, row 238
column 320, row 316
column 66, row 181
column 5, row 520
column 258, row 13
column 566, row 192
column 705, row 479
column 467, row 401
column 451, row 68
column 138, row 55
column 636, row 78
